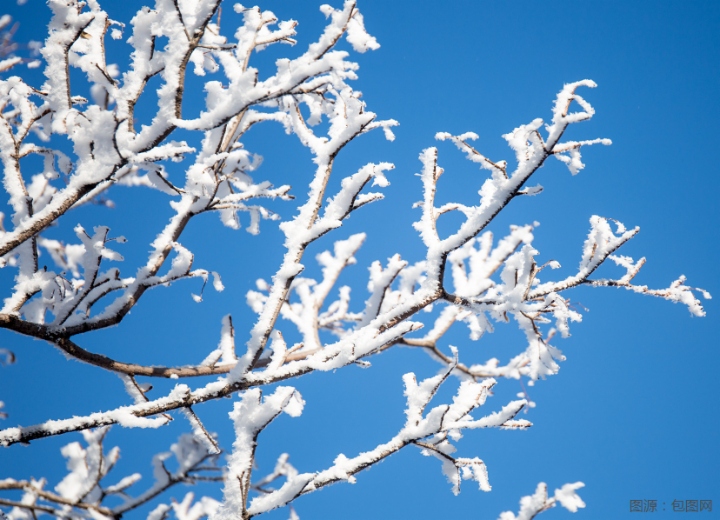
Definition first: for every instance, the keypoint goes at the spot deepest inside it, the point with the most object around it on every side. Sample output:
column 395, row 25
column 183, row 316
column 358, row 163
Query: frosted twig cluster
column 533, row 505
column 87, row 146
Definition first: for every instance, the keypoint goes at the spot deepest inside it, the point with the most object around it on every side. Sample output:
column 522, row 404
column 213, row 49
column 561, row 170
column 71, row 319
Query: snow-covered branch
column 428, row 430
column 533, row 505
column 81, row 493
column 199, row 164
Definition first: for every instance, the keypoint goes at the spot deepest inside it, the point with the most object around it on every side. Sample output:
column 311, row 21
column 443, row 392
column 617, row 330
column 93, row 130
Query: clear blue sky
column 633, row 412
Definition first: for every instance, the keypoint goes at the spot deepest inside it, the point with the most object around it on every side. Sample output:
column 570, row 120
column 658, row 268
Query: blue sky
column 633, row 411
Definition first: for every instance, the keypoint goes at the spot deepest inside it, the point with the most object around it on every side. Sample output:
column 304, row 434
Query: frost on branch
column 60, row 150
column 250, row 416
column 81, row 493
column 430, row 430
column 533, row 505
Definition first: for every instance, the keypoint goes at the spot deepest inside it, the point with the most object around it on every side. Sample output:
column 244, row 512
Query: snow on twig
column 464, row 277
